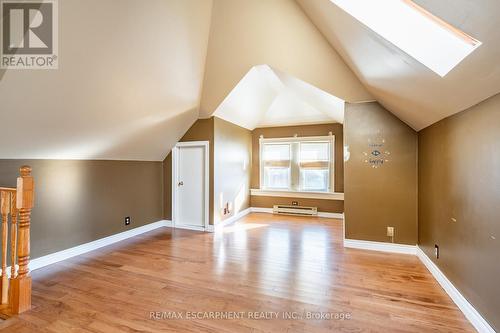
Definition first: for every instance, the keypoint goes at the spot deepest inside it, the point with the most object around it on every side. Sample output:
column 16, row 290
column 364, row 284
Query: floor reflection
column 264, row 262
column 275, row 258
column 230, row 246
column 286, row 258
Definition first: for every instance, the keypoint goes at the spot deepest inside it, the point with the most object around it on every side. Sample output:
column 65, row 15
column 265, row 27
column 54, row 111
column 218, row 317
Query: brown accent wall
column 330, row 206
column 379, row 197
column 77, row 201
column 232, row 169
column 327, row 206
column 201, row 130
column 459, row 202
column 230, row 155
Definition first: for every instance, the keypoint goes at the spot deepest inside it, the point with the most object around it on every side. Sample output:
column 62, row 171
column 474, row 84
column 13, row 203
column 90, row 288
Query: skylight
column 425, row 37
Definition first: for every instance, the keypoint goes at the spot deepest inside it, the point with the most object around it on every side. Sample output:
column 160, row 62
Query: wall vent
column 295, row 210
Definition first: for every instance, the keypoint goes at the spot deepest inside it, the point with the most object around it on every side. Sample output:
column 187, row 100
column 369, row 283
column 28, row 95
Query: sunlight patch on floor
column 243, row 227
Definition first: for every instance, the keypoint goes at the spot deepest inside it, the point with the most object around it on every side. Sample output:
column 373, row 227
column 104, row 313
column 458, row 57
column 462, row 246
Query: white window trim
column 297, row 194
column 296, row 139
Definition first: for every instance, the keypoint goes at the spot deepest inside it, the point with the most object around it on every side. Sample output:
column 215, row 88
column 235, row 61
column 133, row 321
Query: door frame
column 175, row 187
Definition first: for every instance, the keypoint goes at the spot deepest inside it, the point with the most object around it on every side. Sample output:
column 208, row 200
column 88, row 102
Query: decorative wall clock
column 377, row 154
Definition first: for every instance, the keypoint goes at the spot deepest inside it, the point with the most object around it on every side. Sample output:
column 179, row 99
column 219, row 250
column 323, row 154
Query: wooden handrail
column 16, row 203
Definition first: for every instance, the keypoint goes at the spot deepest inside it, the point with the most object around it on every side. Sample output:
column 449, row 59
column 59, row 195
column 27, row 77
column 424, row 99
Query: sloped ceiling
column 131, row 72
column 130, row 75
column 411, row 91
column 268, row 97
column 246, row 33
column 128, row 84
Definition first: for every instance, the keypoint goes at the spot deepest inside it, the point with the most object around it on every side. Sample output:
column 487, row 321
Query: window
column 297, row 164
column 314, row 163
column 425, row 37
column 276, row 159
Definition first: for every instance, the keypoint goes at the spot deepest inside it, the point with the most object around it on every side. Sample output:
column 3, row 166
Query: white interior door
column 190, row 184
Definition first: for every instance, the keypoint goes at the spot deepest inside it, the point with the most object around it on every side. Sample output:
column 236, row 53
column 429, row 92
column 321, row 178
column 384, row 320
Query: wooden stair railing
column 16, row 205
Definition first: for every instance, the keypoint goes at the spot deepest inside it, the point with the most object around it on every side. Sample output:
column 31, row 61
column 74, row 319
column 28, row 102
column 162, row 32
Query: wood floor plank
column 262, row 264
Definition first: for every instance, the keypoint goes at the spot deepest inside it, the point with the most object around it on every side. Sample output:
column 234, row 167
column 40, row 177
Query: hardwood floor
column 263, row 263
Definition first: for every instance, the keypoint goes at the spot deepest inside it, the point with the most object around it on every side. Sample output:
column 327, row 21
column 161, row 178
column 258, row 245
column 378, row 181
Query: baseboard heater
column 295, row 210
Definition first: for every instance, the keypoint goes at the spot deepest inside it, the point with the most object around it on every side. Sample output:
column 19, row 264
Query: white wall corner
column 475, row 318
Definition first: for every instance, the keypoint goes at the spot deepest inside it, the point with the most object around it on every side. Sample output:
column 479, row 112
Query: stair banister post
column 21, row 285
column 13, row 235
column 4, row 211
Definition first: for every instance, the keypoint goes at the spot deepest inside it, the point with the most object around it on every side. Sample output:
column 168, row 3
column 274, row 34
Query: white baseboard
column 475, row 318
column 468, row 310
column 261, row 210
column 380, row 246
column 236, row 217
column 230, row 220
column 189, row 227
column 320, row 214
column 339, row 216
column 218, row 226
column 97, row 244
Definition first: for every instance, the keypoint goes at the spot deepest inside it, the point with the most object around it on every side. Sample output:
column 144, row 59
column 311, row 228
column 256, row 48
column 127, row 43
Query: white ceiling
column 268, row 97
column 407, row 88
column 128, row 84
column 247, row 33
column 130, row 75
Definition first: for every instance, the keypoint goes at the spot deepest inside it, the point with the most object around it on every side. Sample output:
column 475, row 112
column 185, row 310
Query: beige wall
column 247, row 33
column 77, row 202
column 459, row 196
column 379, row 197
column 128, row 84
column 232, row 168
column 332, row 206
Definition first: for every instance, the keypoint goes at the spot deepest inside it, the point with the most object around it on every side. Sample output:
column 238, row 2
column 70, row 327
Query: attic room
column 249, row 166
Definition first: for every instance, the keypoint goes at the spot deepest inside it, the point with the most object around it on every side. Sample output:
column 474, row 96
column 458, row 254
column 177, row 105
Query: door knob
column 181, row 183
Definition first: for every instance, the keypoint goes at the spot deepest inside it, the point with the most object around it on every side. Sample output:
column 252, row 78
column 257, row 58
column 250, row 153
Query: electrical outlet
column 127, row 220
column 436, row 251
column 390, row 231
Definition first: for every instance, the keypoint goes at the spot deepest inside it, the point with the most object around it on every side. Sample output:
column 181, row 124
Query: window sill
column 297, row 194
